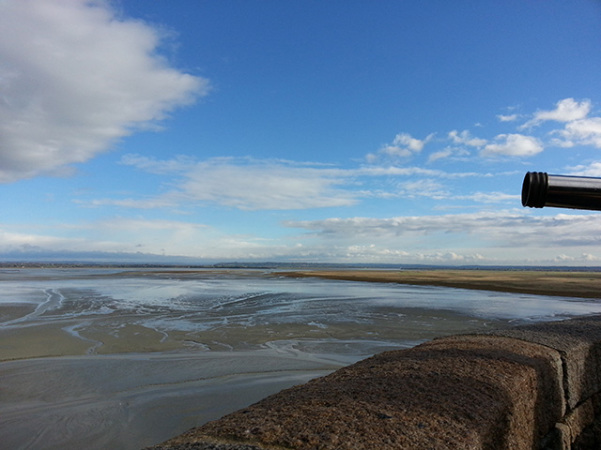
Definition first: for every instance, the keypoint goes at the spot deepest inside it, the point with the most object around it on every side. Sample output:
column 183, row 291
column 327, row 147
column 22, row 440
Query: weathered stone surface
column 208, row 446
column 574, row 423
column 466, row 392
column 579, row 343
column 541, row 407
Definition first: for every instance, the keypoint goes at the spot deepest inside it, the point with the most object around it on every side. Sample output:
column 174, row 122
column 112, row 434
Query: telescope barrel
column 561, row 191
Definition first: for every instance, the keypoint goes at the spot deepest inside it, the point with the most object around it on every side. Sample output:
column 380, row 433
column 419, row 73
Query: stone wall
column 530, row 387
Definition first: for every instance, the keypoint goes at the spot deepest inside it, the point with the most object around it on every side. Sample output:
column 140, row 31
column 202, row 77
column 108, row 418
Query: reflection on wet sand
column 137, row 400
column 127, row 359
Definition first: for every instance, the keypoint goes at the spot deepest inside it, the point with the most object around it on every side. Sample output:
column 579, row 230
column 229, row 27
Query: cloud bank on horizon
column 106, row 152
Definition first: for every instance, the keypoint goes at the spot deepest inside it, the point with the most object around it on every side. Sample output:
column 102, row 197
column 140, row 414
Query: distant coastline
column 274, row 265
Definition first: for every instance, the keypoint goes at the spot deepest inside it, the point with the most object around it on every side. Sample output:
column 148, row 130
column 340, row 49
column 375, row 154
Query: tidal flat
column 126, row 358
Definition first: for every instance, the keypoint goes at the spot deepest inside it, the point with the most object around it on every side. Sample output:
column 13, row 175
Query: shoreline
column 549, row 283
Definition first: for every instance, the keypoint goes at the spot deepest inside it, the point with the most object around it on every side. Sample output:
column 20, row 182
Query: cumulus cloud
column 566, row 110
column 580, row 132
column 402, row 146
column 513, row 145
column 465, row 138
column 74, row 77
column 457, row 151
column 579, row 129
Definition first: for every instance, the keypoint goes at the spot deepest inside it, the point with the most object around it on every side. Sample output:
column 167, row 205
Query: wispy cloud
column 513, row 145
column 180, row 163
column 507, row 118
column 251, row 184
column 591, row 170
column 267, row 186
column 114, row 235
column 74, row 77
column 120, row 238
column 248, row 184
column 566, row 110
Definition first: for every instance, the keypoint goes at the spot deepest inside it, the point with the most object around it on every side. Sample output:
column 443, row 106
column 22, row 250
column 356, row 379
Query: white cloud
column 441, row 154
column 407, row 225
column 115, row 235
column 507, row 118
column 567, row 110
column 493, row 236
column 509, row 231
column 246, row 184
column 465, row 138
column 448, row 152
column 490, row 197
column 591, row 170
column 483, row 237
column 396, row 171
column 410, row 143
column 180, row 163
column 249, row 184
column 74, row 77
column 424, row 188
column 165, row 201
column 578, row 130
column 117, row 238
column 402, row 146
column 581, row 132
column 513, row 145
column 267, row 186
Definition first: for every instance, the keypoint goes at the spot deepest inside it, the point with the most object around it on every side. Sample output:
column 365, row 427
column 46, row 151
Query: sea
column 125, row 358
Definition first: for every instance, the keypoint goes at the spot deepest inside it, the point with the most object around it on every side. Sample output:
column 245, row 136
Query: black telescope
column 561, row 191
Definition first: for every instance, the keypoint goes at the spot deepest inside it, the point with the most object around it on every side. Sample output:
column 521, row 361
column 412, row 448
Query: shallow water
column 124, row 359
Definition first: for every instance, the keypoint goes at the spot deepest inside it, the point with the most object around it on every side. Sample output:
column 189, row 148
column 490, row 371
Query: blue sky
column 339, row 131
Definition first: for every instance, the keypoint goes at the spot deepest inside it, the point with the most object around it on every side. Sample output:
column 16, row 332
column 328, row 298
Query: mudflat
column 581, row 284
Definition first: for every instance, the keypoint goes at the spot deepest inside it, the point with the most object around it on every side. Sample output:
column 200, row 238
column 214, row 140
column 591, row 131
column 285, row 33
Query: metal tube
column 561, row 191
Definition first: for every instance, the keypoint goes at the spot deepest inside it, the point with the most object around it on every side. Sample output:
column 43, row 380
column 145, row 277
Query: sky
column 342, row 131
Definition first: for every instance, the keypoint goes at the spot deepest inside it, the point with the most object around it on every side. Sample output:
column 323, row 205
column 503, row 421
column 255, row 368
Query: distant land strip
column 555, row 283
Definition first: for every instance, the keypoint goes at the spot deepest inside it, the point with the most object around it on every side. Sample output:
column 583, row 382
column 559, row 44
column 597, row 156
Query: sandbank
column 554, row 283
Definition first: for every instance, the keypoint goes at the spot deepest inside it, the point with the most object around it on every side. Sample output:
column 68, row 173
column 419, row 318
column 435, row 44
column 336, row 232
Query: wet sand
column 560, row 283
column 135, row 400
column 109, row 380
